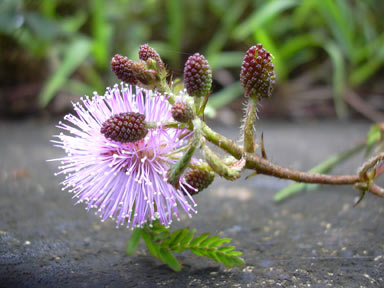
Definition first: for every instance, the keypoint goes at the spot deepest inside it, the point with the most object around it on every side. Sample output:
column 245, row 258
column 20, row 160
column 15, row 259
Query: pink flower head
column 123, row 181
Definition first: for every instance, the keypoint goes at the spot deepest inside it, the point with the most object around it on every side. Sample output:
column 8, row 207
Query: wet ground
column 314, row 240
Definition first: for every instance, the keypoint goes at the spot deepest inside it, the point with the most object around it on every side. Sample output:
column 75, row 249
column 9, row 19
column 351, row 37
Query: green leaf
column 177, row 240
column 161, row 235
column 75, row 54
column 226, row 60
column 158, row 228
column 153, row 247
column 167, row 257
column 296, row 44
column 43, row 28
column 338, row 78
column 101, row 32
column 188, row 238
column 227, row 261
column 225, row 96
column 323, row 167
column 196, row 242
column 234, row 253
column 336, row 17
column 261, row 35
column 367, row 69
column 226, row 249
column 262, row 15
column 237, row 261
column 219, row 242
column 222, row 34
column 374, row 137
column 172, row 238
column 213, row 255
column 209, row 241
column 133, row 241
column 197, row 252
column 175, row 27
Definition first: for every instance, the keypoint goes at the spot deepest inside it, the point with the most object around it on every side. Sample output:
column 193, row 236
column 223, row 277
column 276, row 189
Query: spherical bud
column 199, row 179
column 125, row 127
column 182, row 112
column 146, row 52
column 197, row 76
column 257, row 74
column 123, row 69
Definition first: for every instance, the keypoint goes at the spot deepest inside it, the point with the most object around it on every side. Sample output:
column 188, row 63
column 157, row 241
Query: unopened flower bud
column 123, row 69
column 147, row 77
column 182, row 112
column 125, row 127
column 257, row 74
column 197, row 76
column 199, row 179
column 146, row 52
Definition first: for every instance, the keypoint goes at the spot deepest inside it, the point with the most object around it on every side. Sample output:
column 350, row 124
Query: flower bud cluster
column 147, row 73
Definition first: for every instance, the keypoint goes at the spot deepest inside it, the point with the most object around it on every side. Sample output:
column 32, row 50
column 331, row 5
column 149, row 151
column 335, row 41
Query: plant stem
column 170, row 124
column 263, row 166
column 323, row 167
column 166, row 90
column 249, row 128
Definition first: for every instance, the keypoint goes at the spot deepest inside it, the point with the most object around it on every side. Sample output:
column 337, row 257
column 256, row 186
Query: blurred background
column 329, row 54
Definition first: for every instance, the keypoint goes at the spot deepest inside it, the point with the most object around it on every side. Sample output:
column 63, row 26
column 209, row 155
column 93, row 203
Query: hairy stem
column 323, row 167
column 166, row 90
column 263, row 166
column 249, row 128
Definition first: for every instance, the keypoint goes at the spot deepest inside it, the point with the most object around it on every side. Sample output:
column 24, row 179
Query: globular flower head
column 125, row 127
column 257, row 74
column 122, row 180
column 198, row 179
column 123, row 69
column 197, row 76
column 182, row 112
column 146, row 52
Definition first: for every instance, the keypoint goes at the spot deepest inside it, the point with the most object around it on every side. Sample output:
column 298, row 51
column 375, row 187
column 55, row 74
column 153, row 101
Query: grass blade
column 323, row 167
column 75, row 54
column 338, row 78
column 225, row 96
column 261, row 15
column 175, row 27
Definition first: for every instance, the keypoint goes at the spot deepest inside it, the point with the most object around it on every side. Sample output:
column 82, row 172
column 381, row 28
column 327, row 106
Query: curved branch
column 263, row 166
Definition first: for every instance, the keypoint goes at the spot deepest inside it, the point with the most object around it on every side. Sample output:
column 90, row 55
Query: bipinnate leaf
column 162, row 244
column 211, row 247
column 133, row 241
column 167, row 257
column 153, row 247
column 199, row 239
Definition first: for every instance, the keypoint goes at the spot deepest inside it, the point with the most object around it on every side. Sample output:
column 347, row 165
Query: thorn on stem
column 263, row 153
column 362, row 195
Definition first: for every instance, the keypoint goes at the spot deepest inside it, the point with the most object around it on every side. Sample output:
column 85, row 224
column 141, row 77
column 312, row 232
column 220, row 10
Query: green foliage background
column 76, row 39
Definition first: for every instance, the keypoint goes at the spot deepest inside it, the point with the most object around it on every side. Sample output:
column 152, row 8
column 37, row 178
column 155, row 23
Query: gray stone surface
column 314, row 240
